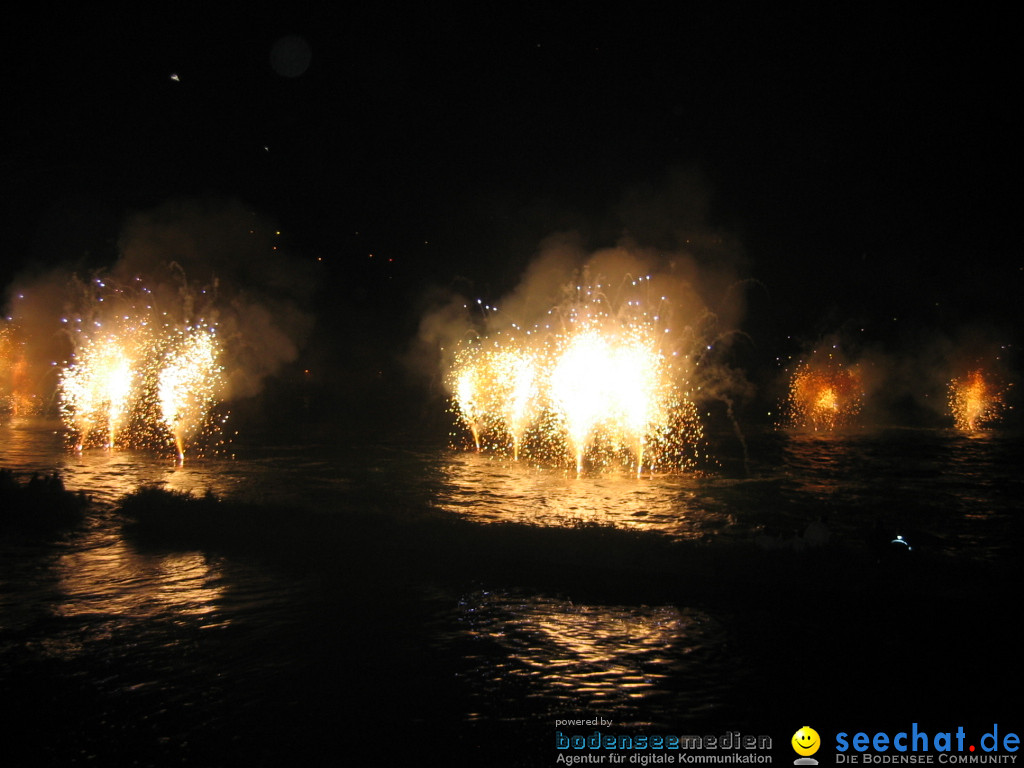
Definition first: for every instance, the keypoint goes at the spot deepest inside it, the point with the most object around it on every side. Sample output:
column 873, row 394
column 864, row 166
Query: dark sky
column 867, row 161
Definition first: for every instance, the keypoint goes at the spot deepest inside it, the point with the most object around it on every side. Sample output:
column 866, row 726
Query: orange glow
column 824, row 396
column 974, row 401
column 16, row 396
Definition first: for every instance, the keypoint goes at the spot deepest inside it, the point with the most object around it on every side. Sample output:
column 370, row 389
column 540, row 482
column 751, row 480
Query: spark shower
column 608, row 375
column 140, row 375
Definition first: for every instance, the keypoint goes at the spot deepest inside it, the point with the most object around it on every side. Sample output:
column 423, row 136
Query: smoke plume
column 185, row 262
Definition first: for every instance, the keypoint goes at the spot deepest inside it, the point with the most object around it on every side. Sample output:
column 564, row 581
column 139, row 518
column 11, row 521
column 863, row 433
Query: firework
column 16, row 396
column 96, row 390
column 468, row 385
column 139, row 376
column 824, row 396
column 975, row 401
column 499, row 393
column 608, row 384
column 599, row 381
column 187, row 384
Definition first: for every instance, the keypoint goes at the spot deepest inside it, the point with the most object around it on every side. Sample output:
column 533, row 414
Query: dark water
column 115, row 651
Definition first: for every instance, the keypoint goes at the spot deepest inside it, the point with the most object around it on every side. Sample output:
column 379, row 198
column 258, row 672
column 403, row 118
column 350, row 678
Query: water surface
column 116, row 651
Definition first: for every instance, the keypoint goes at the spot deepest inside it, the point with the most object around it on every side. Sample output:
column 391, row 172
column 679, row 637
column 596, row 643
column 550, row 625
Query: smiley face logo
column 806, row 741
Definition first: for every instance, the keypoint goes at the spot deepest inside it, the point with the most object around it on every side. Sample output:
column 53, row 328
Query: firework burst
column 975, row 401
column 140, row 376
column 187, row 384
column 824, row 396
column 599, row 382
column 96, row 390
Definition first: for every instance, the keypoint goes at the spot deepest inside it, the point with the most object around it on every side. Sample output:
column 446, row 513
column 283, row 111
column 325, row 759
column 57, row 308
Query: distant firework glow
column 600, row 382
column 139, row 376
column 824, row 396
column 16, row 396
column 975, row 401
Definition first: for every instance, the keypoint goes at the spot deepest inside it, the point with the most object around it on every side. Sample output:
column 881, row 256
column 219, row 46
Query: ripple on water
column 647, row 664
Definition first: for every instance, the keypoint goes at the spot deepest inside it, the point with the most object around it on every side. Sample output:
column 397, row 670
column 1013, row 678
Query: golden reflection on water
column 106, row 475
column 593, row 658
column 491, row 489
column 112, row 580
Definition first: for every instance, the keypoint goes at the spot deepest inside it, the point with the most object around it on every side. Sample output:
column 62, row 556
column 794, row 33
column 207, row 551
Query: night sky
column 865, row 162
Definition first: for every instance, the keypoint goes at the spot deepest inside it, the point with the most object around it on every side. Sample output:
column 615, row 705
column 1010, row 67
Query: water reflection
column 112, row 580
column 981, row 485
column 820, row 463
column 37, row 445
column 948, row 485
column 635, row 661
column 490, row 489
